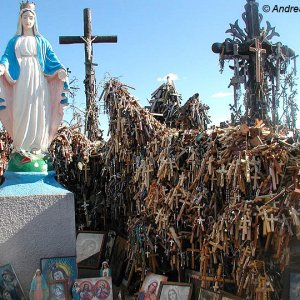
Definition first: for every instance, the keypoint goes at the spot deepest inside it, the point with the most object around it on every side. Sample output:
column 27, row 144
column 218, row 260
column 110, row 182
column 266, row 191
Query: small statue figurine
column 76, row 291
column 39, row 288
column 105, row 271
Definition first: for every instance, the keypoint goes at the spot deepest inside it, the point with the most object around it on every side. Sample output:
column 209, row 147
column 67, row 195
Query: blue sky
column 155, row 37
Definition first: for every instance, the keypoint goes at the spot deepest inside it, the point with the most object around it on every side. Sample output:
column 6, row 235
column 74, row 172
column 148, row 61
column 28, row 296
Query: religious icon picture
column 89, row 248
column 150, row 286
column 60, row 268
column 174, row 291
column 10, row 287
column 93, row 289
column 58, row 289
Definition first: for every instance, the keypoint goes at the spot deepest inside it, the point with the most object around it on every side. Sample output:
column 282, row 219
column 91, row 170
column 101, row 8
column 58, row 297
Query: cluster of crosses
column 259, row 66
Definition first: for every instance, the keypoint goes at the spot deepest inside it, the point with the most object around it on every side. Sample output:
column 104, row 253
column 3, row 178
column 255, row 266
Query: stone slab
column 37, row 220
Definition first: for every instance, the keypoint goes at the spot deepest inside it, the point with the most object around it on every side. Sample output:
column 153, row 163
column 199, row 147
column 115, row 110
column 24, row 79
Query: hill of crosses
column 218, row 206
column 223, row 202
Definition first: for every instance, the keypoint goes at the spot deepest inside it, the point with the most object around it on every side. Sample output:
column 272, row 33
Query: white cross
column 222, row 171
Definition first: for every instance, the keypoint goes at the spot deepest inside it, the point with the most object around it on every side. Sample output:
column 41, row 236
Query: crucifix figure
column 258, row 51
column 85, row 206
column 91, row 123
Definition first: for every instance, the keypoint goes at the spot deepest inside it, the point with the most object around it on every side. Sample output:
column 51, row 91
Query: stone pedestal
column 37, row 220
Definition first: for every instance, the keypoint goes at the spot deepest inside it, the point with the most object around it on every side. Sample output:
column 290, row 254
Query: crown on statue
column 28, row 5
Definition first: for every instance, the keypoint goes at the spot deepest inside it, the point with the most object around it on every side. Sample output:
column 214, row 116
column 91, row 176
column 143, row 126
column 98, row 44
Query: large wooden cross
column 91, row 122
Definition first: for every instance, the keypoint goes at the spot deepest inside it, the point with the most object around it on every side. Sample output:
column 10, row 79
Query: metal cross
column 258, row 50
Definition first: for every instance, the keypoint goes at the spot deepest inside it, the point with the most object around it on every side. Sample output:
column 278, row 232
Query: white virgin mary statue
column 33, row 87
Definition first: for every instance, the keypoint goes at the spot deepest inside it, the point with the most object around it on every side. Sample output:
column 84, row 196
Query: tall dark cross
column 92, row 114
column 258, row 64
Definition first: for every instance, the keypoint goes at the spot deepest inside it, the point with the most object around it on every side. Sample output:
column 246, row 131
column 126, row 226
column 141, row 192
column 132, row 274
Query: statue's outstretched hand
column 62, row 74
column 2, row 70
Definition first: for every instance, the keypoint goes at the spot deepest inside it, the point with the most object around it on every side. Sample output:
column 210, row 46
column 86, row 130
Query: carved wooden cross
column 215, row 246
column 244, row 226
column 255, row 177
column 85, row 206
column 147, row 253
column 209, row 162
column 147, row 170
column 258, row 51
column 90, row 86
column 193, row 250
column 272, row 221
column 200, row 222
column 222, row 170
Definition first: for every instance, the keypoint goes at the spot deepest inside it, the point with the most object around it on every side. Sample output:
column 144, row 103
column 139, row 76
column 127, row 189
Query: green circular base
column 29, row 162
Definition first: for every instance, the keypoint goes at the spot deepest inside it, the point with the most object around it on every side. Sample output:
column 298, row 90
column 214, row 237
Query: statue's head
column 27, row 19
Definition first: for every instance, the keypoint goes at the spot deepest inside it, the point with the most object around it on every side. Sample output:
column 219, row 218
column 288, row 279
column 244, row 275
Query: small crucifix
column 258, row 51
column 222, row 170
column 85, row 206
column 90, row 84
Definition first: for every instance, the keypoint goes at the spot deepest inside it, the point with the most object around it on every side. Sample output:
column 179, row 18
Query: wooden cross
column 204, row 259
column 247, row 168
column 230, row 171
column 215, row 246
column 86, row 169
column 184, row 203
column 90, row 85
column 222, row 171
column 272, row 220
column 262, row 291
column 147, row 253
column 244, row 226
column 200, row 222
column 147, row 170
column 266, row 225
column 193, row 250
column 85, row 206
column 81, row 227
column 255, row 177
column 209, row 162
column 158, row 215
column 272, row 172
column 258, row 51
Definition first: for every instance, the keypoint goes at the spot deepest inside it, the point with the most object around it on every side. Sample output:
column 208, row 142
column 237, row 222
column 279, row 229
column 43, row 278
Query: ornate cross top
column 90, row 86
column 258, row 72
